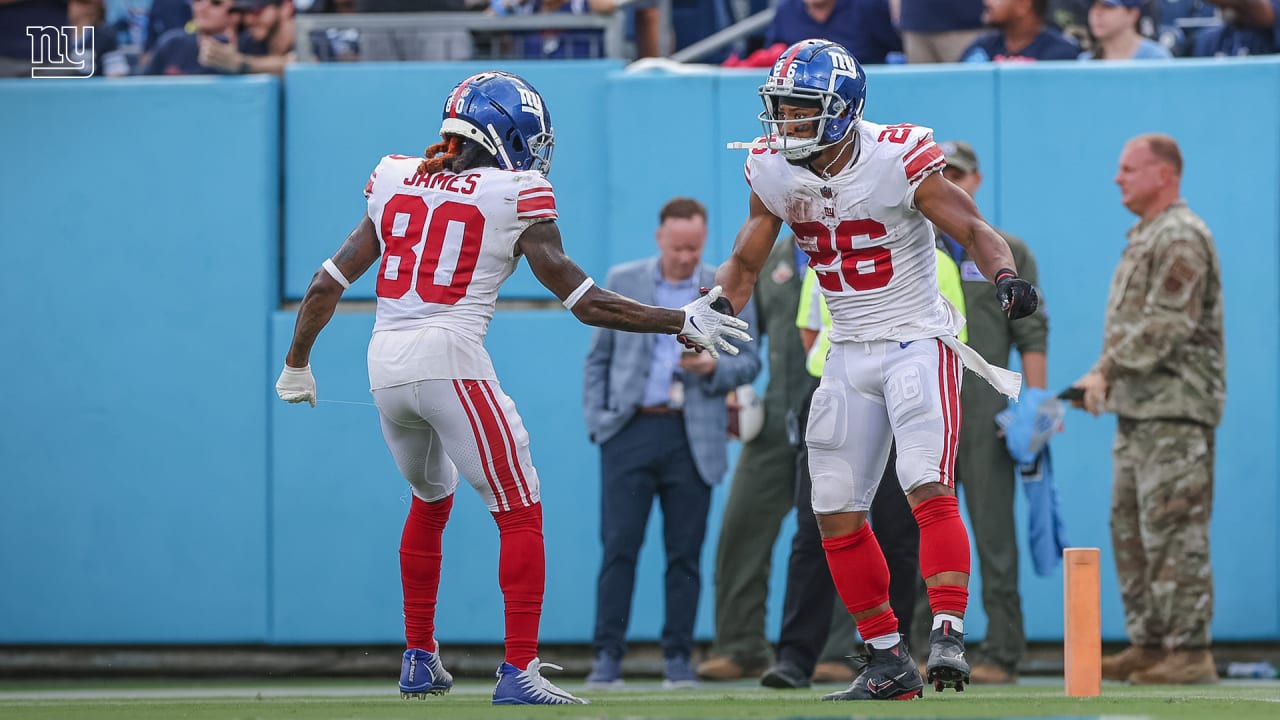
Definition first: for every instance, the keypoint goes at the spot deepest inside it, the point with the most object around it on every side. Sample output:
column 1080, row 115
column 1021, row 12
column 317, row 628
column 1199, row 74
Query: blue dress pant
column 649, row 458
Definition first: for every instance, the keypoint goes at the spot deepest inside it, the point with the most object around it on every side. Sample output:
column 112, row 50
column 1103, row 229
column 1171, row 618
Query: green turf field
column 347, row 700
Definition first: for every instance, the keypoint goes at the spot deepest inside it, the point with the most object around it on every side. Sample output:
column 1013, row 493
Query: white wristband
column 576, row 295
column 335, row 273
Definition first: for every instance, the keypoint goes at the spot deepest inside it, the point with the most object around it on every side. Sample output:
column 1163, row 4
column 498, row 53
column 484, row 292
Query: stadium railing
column 453, row 35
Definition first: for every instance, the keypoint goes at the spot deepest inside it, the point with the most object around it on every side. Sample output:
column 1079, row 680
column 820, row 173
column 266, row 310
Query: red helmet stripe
column 453, row 99
column 786, row 64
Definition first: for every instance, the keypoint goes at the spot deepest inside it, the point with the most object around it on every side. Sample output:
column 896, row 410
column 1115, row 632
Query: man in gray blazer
column 658, row 413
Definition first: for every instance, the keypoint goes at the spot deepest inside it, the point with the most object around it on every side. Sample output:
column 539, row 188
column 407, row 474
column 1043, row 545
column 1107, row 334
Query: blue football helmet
column 505, row 115
column 819, row 74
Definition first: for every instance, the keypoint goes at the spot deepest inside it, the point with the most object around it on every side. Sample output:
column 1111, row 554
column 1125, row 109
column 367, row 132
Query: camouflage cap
column 960, row 155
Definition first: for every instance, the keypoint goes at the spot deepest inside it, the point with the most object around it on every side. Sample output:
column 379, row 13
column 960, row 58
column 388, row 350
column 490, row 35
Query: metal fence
column 459, row 36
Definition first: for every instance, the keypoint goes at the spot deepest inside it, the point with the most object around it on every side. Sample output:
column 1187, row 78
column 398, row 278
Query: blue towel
column 1028, row 425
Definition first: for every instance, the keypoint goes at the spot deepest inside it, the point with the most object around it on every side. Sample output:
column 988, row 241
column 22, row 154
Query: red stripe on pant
column 420, row 556
column 510, row 439
column 957, row 411
column 499, row 449
column 949, row 396
column 486, row 463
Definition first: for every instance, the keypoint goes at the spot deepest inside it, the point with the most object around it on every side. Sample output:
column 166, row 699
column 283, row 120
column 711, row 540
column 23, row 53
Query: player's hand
column 721, row 305
column 1017, row 297
column 709, row 328
column 297, row 385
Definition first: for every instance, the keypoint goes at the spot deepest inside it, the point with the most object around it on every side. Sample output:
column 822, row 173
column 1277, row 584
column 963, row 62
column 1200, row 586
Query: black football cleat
column 889, row 675
column 947, row 666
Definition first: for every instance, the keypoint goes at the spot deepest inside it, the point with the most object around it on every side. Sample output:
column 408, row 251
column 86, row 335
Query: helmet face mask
column 542, row 146
column 795, row 135
column 813, row 74
column 506, row 116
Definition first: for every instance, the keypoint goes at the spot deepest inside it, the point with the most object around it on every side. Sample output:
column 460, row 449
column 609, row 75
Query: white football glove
column 709, row 328
column 297, row 385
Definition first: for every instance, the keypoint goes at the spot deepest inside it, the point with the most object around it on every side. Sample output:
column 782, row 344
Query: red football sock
column 420, row 569
column 861, row 576
column 522, row 575
column 949, row 599
column 944, row 547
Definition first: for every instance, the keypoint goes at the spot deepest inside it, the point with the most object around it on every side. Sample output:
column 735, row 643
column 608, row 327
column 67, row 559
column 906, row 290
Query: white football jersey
column 872, row 249
column 448, row 243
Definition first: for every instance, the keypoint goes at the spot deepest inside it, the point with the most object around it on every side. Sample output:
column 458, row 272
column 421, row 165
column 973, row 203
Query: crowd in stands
column 931, row 31
column 185, row 37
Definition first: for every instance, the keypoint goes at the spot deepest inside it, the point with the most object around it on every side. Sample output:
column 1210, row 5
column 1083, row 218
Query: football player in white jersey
column 860, row 197
column 448, row 230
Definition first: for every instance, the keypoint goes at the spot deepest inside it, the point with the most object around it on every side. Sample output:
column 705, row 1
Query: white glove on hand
column 709, row 328
column 297, row 385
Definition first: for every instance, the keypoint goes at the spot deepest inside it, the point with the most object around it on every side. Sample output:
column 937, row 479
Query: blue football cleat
column 422, row 674
column 528, row 687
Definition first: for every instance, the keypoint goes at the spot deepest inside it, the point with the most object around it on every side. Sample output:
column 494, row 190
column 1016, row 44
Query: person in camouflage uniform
column 1163, row 373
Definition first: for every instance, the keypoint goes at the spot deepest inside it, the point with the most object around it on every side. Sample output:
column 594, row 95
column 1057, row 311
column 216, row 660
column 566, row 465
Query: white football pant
column 871, row 394
column 434, row 428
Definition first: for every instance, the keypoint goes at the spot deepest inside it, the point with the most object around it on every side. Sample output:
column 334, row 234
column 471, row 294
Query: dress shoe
column 721, row 667
column 785, row 676
column 833, row 672
column 988, row 673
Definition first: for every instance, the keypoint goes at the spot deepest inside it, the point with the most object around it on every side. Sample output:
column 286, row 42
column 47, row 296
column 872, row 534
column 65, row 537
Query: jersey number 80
column 395, row 277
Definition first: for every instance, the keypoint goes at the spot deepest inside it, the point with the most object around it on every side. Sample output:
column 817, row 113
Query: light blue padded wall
column 145, row 484
column 139, row 226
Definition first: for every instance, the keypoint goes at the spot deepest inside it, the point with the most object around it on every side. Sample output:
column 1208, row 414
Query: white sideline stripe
column 708, row 692
column 391, row 691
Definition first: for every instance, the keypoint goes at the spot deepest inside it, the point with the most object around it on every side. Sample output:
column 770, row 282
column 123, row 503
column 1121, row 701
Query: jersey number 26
column 863, row 268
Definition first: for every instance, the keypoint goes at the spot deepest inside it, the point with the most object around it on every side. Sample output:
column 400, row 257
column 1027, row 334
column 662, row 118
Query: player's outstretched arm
column 737, row 275
column 952, row 210
column 542, row 246
column 358, row 252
